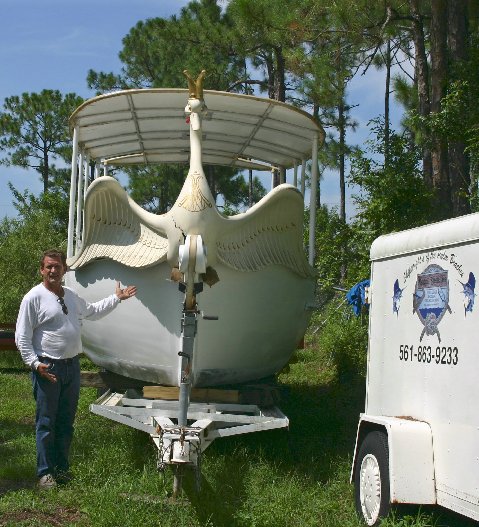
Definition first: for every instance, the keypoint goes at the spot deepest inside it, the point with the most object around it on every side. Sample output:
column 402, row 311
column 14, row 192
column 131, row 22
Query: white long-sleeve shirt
column 43, row 329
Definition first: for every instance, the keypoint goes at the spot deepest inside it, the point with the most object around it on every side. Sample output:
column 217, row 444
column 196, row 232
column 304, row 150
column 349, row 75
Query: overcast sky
column 51, row 44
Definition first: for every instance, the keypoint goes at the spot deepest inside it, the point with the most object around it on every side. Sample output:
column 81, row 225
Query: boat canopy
column 148, row 126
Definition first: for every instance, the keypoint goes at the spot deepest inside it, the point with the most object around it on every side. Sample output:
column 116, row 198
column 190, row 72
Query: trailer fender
column 411, row 457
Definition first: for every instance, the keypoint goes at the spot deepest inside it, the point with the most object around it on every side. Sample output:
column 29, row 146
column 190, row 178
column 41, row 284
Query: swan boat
column 246, row 278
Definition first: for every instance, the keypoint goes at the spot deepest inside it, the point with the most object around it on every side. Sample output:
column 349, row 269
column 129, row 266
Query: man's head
column 54, row 253
column 52, row 268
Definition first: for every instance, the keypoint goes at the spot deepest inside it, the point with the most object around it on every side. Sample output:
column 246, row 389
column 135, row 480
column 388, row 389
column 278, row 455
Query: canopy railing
column 80, row 179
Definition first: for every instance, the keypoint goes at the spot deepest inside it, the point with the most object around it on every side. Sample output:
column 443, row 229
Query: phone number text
column 429, row 354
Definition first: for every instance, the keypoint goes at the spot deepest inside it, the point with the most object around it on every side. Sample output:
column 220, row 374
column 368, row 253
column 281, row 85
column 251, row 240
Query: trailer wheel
column 371, row 479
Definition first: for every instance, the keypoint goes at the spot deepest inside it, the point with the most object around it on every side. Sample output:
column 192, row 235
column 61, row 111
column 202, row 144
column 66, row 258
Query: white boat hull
column 262, row 318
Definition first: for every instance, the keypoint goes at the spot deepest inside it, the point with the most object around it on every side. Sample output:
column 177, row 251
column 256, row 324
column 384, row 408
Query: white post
column 81, row 169
column 96, row 174
column 85, row 188
column 87, row 177
column 272, row 178
column 73, row 182
column 295, row 174
column 312, row 201
column 105, row 168
column 303, row 177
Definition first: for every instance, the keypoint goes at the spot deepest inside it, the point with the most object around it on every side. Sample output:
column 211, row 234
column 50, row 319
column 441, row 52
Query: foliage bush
column 343, row 337
column 22, row 242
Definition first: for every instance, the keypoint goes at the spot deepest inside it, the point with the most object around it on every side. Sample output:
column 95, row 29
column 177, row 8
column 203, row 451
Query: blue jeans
column 56, row 408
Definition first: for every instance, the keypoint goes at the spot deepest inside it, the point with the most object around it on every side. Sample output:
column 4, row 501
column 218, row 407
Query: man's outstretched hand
column 124, row 294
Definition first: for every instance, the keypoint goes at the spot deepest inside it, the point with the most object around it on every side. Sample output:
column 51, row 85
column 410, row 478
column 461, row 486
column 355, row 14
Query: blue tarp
column 356, row 296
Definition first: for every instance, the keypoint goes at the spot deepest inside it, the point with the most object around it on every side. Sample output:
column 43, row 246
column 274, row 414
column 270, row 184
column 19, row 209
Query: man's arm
column 97, row 310
column 26, row 321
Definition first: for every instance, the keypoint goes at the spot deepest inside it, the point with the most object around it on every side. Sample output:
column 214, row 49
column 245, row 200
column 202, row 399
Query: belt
column 61, row 361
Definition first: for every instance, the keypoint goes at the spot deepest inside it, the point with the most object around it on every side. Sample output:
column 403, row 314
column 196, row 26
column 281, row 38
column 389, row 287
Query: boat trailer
column 182, row 445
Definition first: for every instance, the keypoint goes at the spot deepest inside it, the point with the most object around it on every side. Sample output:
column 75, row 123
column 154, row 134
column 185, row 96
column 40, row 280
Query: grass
column 276, row 478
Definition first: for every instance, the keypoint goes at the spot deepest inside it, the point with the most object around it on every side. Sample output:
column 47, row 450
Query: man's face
column 52, row 271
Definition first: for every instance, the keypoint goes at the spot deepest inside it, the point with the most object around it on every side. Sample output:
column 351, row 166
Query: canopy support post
column 87, row 176
column 312, row 202
column 73, row 184
column 81, row 170
column 303, row 177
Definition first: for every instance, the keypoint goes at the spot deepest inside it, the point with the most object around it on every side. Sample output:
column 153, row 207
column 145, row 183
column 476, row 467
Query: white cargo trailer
column 418, row 439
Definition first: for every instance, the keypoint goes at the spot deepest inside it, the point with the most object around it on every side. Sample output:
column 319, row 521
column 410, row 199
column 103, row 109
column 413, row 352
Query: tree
column 263, row 36
column 156, row 51
column 440, row 176
column 34, row 130
column 22, row 242
column 443, row 28
column 392, row 196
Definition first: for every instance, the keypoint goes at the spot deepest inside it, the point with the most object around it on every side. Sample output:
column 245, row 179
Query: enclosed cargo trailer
column 418, row 438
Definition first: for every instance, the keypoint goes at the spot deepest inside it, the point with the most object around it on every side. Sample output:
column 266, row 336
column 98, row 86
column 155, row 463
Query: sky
column 53, row 43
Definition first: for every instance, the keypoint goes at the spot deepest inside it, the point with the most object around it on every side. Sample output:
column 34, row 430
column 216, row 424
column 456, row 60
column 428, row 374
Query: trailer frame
column 182, row 445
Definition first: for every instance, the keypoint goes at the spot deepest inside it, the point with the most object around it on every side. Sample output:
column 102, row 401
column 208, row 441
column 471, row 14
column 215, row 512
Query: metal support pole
column 87, row 177
column 189, row 325
column 312, row 202
column 78, row 230
column 295, row 174
column 303, row 177
column 73, row 182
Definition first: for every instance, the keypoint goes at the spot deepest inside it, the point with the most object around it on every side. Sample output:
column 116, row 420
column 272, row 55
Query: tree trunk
column 45, row 170
column 342, row 180
column 276, row 178
column 278, row 86
column 422, row 79
column 271, row 74
column 459, row 172
column 440, row 173
column 387, row 92
column 342, row 150
column 280, row 76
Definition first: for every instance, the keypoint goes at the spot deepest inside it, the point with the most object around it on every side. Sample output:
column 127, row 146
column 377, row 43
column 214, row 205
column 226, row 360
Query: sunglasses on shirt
column 64, row 307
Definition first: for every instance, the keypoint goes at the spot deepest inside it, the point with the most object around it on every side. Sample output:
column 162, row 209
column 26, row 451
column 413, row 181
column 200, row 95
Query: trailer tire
column 371, row 478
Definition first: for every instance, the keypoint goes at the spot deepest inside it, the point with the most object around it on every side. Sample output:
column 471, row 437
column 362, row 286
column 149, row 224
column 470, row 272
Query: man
column 48, row 337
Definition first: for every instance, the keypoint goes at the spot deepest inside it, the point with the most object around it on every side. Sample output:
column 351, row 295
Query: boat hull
column 262, row 317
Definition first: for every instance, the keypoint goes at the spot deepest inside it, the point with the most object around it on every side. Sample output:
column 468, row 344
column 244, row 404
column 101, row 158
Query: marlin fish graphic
column 468, row 292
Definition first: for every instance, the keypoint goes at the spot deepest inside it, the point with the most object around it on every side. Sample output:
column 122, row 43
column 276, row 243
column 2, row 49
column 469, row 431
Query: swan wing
column 270, row 233
column 116, row 228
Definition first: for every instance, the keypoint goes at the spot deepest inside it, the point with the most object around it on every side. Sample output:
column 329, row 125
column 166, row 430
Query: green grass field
column 275, row 478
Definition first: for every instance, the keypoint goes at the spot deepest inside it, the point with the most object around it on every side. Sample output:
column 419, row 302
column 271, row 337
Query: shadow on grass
column 16, row 469
column 13, row 485
column 219, row 499
column 10, row 429
column 323, row 422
